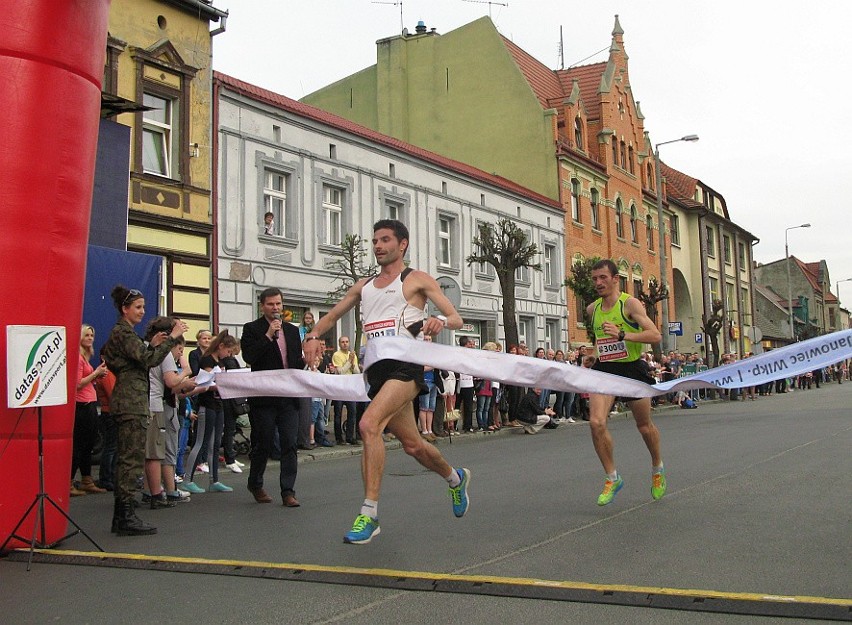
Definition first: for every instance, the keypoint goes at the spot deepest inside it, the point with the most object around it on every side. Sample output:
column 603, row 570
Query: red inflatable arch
column 52, row 62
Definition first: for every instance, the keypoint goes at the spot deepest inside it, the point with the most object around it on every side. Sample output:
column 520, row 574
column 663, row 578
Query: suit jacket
column 262, row 354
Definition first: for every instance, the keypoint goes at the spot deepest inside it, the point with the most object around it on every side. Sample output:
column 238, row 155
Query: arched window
column 575, row 200
column 596, row 220
column 623, row 155
column 634, row 236
column 649, row 225
column 614, row 151
column 619, row 219
column 650, row 177
column 578, row 132
column 630, row 159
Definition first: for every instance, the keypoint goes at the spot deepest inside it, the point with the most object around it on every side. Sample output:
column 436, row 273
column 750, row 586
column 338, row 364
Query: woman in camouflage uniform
column 129, row 358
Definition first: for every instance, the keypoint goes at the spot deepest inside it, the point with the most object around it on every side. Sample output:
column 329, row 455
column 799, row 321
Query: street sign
column 699, row 338
column 754, row 334
column 676, row 328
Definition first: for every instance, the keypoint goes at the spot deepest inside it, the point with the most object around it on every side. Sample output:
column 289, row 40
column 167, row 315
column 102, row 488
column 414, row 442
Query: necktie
column 282, row 347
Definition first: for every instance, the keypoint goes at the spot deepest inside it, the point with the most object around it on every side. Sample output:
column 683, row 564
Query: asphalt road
column 759, row 501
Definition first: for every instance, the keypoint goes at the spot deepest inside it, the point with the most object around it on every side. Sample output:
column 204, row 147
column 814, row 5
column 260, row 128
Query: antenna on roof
column 489, row 3
column 395, row 3
column 561, row 49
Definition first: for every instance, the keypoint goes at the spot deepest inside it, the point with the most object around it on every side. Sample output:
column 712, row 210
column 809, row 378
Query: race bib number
column 380, row 328
column 611, row 348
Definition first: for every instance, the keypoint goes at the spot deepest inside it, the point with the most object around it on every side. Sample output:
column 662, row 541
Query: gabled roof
column 311, row 112
column 770, row 328
column 588, row 78
column 811, row 273
column 541, row 78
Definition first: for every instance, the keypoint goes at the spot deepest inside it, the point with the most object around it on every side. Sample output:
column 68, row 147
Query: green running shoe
column 363, row 530
column 658, row 485
column 610, row 488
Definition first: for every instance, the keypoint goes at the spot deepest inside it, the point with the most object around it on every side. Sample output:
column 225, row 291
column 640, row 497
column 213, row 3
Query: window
column 623, row 155
column 332, row 212
column 550, row 265
column 622, row 283
column 275, row 201
column 649, row 227
column 276, row 133
column 744, row 301
column 157, row 135
column 614, row 151
column 332, row 151
column 637, row 286
column 575, row 199
column 711, row 243
column 630, row 159
column 552, row 335
column 674, row 227
column 619, row 219
column 741, row 256
column 650, row 177
column 714, row 289
column 522, row 275
column 391, row 170
column 445, row 233
column 578, row 133
column 526, row 332
column 726, row 248
column 394, row 210
column 634, row 235
column 596, row 221
column 729, row 298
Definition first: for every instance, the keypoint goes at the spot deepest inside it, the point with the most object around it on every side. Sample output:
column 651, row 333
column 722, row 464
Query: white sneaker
column 234, row 467
column 178, row 479
column 239, row 464
column 571, row 420
column 203, row 468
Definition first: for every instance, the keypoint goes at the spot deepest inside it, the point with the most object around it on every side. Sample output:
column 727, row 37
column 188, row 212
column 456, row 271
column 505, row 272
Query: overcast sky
column 762, row 83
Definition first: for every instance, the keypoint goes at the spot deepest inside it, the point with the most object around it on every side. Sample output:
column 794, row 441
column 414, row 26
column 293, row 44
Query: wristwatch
column 621, row 335
column 442, row 319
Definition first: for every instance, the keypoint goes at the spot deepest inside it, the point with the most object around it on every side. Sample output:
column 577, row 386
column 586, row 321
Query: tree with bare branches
column 713, row 324
column 505, row 247
column 656, row 293
column 349, row 268
column 580, row 283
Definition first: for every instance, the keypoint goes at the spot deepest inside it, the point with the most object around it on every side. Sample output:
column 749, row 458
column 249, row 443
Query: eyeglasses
column 131, row 295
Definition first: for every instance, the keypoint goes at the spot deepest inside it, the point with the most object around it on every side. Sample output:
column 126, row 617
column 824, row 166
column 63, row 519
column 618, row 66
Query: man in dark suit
column 267, row 343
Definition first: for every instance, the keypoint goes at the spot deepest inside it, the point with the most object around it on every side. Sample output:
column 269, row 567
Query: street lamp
column 837, row 288
column 662, row 238
column 789, row 283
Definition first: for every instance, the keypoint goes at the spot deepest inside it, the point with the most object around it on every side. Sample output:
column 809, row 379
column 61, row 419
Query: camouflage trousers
column 130, row 455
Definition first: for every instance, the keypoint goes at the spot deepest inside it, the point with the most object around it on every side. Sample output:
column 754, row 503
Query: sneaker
column 178, row 479
column 161, row 501
column 190, row 487
column 658, row 485
column 203, row 468
column 239, row 464
column 609, row 490
column 461, row 501
column 218, row 487
column 363, row 530
column 234, row 467
column 146, row 498
column 569, row 420
column 178, row 496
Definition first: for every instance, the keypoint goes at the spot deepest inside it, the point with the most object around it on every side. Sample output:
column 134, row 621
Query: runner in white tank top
column 393, row 303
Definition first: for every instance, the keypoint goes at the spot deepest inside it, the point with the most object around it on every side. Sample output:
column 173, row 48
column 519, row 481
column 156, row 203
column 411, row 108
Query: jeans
column 318, row 419
column 183, row 438
column 483, row 410
column 351, row 420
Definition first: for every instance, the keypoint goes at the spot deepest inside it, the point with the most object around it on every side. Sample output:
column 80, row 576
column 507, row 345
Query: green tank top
column 610, row 349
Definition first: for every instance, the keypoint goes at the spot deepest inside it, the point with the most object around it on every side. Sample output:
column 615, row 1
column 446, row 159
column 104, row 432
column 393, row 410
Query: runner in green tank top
column 622, row 328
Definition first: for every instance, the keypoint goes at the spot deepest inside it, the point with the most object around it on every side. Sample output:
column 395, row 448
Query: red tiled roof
column 541, row 78
column 679, row 186
column 589, row 80
column 319, row 115
column 811, row 272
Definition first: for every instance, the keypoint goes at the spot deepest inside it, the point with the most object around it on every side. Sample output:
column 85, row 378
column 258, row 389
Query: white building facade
column 323, row 177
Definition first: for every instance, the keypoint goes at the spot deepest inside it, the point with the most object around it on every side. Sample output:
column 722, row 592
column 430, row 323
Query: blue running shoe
column 363, row 530
column 461, row 501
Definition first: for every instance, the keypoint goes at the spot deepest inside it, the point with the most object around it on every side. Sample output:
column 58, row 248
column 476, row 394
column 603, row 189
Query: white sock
column 454, row 480
column 370, row 508
column 612, row 476
column 658, row 469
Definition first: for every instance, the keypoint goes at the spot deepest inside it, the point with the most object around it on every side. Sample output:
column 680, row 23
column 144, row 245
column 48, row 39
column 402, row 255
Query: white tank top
column 385, row 311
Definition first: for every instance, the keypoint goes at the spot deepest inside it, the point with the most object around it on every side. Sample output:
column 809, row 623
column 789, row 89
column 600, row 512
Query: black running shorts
column 384, row 370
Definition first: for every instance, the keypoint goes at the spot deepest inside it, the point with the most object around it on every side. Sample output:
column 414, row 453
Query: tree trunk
column 510, row 320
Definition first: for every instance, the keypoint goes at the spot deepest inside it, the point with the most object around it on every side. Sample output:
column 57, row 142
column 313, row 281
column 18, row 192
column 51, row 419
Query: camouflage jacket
column 129, row 358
